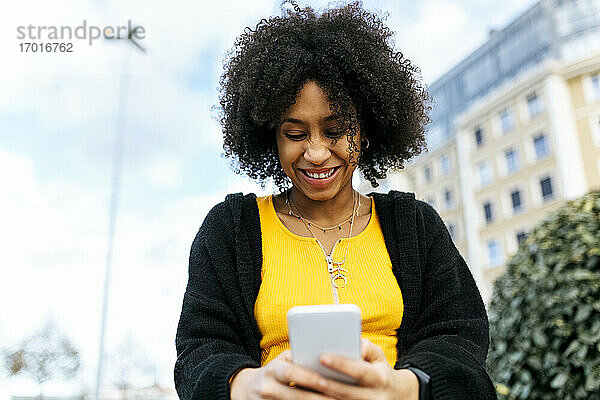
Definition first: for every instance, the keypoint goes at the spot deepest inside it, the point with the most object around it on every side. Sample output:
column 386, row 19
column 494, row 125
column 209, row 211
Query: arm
column 450, row 338
column 208, row 341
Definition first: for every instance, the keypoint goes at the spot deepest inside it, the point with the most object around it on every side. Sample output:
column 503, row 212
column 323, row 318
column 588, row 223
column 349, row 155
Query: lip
column 319, row 182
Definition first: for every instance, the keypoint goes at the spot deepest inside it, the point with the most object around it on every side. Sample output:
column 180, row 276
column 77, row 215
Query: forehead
column 311, row 103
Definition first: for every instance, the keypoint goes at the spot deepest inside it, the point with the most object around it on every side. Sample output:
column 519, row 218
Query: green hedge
column 545, row 309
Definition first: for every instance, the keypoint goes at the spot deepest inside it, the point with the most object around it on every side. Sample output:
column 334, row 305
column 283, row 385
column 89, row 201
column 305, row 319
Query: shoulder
column 233, row 203
column 403, row 203
column 406, row 210
column 224, row 216
column 393, row 195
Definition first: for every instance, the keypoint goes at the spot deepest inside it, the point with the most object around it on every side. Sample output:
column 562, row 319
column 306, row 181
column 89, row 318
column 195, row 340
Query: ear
column 364, row 142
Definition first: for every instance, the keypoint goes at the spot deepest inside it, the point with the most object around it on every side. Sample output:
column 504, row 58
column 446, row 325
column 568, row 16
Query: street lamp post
column 114, row 197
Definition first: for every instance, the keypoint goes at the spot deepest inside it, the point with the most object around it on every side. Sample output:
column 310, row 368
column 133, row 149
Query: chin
column 322, row 196
column 318, row 194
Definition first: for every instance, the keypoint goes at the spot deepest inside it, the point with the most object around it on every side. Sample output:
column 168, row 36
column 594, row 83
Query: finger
column 339, row 390
column 363, row 347
column 363, row 372
column 371, row 352
column 286, row 372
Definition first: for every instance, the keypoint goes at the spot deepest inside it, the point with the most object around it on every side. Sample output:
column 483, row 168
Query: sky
column 59, row 117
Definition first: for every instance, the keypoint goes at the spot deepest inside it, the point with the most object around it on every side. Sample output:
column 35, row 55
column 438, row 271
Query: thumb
column 371, row 352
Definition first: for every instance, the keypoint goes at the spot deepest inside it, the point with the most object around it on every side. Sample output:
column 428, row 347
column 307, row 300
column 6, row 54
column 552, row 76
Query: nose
column 317, row 152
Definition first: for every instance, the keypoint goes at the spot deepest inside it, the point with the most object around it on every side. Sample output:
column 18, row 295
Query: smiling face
column 313, row 148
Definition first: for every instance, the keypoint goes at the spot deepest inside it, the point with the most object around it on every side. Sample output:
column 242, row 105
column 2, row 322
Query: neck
column 325, row 212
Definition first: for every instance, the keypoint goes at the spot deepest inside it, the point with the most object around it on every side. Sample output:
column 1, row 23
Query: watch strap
column 424, row 382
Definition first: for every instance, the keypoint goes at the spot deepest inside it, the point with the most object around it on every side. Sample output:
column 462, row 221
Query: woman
column 306, row 100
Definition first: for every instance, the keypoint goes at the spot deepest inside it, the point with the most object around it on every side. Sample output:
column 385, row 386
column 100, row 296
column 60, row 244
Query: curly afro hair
column 347, row 51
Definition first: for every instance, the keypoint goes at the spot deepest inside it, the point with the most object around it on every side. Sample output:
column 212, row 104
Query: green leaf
column 582, row 274
column 573, row 346
column 559, row 380
column 592, row 262
column 526, row 391
column 589, row 338
column 539, row 338
column 535, row 362
column 583, row 312
column 581, row 353
column 592, row 382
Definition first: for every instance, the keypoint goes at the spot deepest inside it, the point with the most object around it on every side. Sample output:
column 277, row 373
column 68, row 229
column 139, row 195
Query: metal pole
column 114, row 198
column 112, row 217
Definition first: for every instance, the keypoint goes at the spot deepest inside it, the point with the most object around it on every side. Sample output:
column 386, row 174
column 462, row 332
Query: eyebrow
column 299, row 121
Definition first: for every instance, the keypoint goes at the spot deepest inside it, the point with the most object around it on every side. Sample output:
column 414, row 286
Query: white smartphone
column 318, row 329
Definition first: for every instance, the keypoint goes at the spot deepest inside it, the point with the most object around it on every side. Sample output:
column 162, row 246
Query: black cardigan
column 444, row 329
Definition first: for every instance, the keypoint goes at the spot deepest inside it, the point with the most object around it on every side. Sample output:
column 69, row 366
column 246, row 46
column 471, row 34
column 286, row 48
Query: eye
column 334, row 134
column 295, row 137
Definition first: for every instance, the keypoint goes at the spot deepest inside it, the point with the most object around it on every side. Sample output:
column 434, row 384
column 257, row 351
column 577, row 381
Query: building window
column 596, row 131
column 515, row 197
column 427, row 173
column 412, row 179
column 546, row 186
column 448, row 198
column 534, row 105
column 452, row 230
column 478, row 136
column 512, row 160
column 595, row 80
column 540, row 143
column 445, row 165
column 495, row 255
column 521, row 236
column 507, row 120
column 487, row 212
column 484, row 170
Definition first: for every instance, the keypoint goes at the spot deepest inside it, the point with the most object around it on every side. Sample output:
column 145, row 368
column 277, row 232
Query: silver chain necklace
column 334, row 268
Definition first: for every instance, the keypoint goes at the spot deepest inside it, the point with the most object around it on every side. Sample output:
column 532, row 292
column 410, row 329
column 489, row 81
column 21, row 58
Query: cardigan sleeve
column 208, row 342
column 450, row 337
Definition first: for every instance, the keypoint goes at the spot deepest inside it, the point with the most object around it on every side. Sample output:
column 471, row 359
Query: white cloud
column 438, row 37
column 165, row 172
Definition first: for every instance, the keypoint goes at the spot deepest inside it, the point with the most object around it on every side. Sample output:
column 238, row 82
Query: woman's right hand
column 272, row 381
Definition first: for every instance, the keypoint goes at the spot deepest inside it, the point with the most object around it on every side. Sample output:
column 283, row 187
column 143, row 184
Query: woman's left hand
column 376, row 379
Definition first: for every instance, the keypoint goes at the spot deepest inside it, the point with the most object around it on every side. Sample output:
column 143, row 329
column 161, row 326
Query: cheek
column 287, row 156
column 341, row 151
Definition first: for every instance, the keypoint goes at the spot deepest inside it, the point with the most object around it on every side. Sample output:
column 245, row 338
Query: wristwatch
column 424, row 389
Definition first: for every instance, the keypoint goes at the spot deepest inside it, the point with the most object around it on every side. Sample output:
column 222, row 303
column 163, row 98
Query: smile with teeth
column 321, row 175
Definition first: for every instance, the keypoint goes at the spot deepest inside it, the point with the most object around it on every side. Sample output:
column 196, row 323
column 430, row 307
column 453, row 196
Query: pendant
column 336, row 277
column 337, row 272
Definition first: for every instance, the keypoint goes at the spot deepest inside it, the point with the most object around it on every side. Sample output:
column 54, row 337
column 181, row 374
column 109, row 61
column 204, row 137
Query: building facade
column 515, row 133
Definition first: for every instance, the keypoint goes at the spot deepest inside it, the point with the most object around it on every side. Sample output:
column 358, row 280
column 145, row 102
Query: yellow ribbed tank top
column 294, row 272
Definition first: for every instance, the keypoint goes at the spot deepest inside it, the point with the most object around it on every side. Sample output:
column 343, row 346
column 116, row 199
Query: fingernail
column 322, row 383
column 326, row 359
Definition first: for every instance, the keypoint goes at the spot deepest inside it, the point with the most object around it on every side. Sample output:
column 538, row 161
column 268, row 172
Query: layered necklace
column 335, row 268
